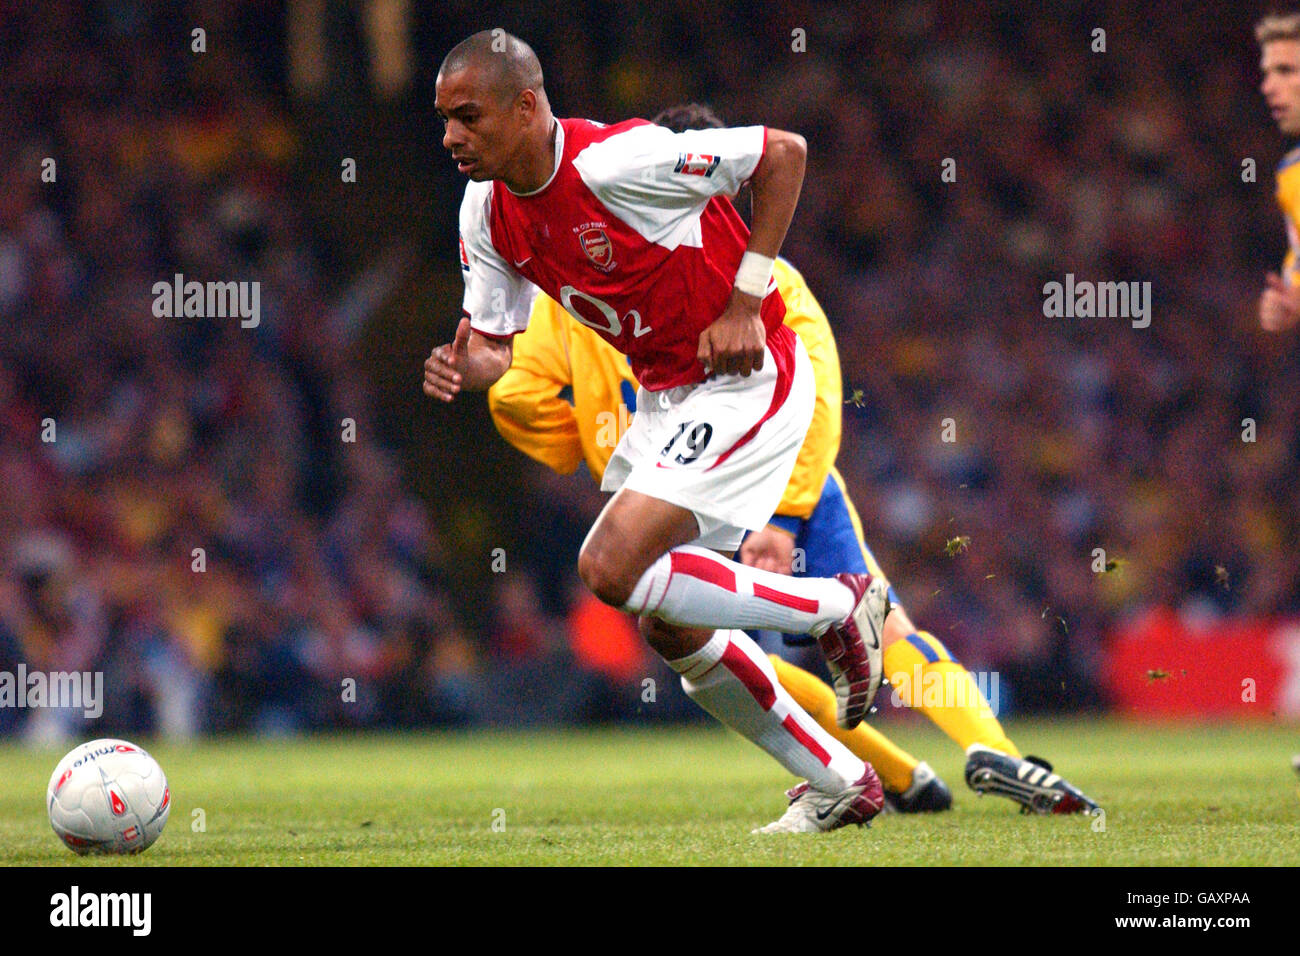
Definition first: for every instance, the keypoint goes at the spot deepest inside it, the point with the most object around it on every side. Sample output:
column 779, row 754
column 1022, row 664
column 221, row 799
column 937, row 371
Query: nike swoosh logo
column 823, row 814
column 523, row 262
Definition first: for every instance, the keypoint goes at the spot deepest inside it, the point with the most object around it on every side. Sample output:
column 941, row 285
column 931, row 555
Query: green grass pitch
column 1173, row 795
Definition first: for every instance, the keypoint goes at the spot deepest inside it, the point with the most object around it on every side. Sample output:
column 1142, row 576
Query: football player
column 629, row 228
column 815, row 516
column 1278, row 36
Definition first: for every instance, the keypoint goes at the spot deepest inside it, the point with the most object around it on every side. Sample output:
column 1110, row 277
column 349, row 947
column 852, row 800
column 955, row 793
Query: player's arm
column 525, row 402
column 775, row 186
column 470, row 361
column 496, row 307
column 734, row 343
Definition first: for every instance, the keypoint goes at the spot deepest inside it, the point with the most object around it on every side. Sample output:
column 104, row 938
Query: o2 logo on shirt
column 696, row 164
column 604, row 318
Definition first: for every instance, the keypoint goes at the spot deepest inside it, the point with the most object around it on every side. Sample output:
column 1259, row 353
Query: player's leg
column 722, row 670
column 828, row 540
column 729, row 677
column 699, row 465
column 910, row 785
column 690, row 598
column 926, row 677
column 637, row 556
column 916, row 662
column 913, row 659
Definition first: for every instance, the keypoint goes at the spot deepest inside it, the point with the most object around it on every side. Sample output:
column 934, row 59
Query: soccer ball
column 108, row 796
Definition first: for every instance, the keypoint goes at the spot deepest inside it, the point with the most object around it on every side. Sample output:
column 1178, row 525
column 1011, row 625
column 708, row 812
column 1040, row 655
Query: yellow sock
column 930, row 680
column 892, row 763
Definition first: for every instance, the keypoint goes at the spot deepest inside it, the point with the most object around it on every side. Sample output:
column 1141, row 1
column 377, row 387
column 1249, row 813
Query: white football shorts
column 724, row 448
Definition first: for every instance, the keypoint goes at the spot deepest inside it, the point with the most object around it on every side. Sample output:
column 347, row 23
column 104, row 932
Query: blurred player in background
column 627, row 226
column 815, row 515
column 1278, row 36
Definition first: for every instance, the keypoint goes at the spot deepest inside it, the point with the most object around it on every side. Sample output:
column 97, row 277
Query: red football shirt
column 631, row 234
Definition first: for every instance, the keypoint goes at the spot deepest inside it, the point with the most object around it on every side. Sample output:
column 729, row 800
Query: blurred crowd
column 184, row 507
column 198, row 509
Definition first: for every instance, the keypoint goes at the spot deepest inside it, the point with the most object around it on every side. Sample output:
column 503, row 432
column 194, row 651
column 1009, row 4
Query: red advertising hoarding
column 1164, row 664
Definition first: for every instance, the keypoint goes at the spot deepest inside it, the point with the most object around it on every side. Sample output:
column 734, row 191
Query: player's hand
column 443, row 367
column 1279, row 305
column 733, row 344
column 769, row 549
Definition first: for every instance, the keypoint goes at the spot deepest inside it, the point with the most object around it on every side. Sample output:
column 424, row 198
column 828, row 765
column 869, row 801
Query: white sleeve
column 647, row 168
column 497, row 298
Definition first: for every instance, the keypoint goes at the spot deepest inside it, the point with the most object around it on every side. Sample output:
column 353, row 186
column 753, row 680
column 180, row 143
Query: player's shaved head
column 497, row 123
column 506, row 64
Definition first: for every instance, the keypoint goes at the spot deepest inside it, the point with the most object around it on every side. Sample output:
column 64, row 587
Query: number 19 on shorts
column 690, row 444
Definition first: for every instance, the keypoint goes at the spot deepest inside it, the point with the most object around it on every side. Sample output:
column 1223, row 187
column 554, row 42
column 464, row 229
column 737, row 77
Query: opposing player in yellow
column 1279, row 43
column 815, row 516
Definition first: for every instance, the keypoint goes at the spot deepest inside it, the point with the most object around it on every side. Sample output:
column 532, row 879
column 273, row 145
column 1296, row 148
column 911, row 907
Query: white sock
column 734, row 681
column 696, row 587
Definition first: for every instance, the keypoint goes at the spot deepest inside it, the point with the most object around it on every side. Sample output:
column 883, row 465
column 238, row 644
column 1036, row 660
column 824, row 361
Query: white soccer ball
column 108, row 796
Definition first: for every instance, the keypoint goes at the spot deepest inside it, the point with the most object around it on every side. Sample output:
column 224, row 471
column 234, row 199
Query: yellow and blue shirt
column 1288, row 198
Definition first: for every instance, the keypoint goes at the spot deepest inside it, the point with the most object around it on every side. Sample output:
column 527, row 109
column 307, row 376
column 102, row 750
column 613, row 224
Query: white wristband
column 754, row 274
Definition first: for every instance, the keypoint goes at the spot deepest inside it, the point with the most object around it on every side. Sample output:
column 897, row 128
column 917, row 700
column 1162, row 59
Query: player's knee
column 604, row 576
column 653, row 631
column 670, row 641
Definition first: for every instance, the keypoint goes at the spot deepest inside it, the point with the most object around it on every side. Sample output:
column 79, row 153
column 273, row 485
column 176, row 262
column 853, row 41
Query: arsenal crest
column 596, row 244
